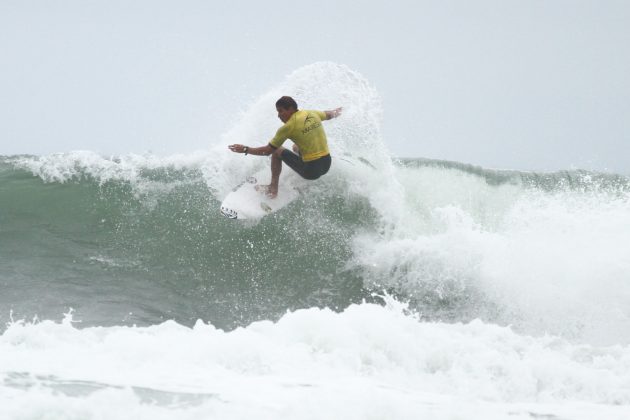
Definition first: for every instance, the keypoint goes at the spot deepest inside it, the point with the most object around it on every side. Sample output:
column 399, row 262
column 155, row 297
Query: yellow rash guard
column 305, row 129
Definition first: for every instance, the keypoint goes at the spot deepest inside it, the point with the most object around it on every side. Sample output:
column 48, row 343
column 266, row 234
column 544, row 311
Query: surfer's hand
column 334, row 113
column 237, row 148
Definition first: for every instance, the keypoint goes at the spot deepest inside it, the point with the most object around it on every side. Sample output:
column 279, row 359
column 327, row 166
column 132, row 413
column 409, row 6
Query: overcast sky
column 539, row 84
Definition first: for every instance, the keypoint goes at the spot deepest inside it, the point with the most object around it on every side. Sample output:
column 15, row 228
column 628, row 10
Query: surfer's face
column 284, row 113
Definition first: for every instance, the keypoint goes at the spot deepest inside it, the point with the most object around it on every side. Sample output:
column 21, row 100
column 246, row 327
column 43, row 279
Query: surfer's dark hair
column 286, row 102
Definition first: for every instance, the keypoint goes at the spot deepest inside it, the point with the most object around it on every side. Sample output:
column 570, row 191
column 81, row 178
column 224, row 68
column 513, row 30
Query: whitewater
column 393, row 289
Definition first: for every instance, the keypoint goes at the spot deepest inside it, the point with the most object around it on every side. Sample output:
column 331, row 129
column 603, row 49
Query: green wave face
column 117, row 253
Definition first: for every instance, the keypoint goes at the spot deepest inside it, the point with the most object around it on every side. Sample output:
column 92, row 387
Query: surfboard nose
column 229, row 213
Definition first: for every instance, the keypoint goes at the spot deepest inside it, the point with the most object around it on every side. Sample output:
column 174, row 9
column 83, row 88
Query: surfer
column 311, row 158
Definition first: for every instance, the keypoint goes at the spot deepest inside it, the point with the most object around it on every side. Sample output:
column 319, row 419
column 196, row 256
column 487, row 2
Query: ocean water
column 394, row 289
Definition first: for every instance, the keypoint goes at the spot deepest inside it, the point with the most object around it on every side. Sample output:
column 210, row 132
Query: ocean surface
column 393, row 289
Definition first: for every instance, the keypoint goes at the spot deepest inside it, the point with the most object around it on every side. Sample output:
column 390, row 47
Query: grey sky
column 512, row 84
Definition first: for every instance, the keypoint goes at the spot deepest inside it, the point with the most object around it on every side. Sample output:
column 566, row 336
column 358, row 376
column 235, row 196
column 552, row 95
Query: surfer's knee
column 277, row 153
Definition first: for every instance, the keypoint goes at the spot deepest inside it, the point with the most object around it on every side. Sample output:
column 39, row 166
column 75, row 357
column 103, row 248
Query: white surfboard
column 245, row 202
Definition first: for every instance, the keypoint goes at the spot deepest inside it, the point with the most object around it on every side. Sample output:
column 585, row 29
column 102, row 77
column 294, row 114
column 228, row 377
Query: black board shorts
column 308, row 170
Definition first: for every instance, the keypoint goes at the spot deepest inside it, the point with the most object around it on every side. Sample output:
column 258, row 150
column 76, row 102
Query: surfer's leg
column 293, row 161
column 276, row 168
column 316, row 168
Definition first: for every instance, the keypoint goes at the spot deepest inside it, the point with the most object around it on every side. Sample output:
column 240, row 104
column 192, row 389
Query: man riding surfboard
column 305, row 129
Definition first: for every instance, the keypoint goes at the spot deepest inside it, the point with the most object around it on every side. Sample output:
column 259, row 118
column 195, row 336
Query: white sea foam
column 368, row 362
column 547, row 261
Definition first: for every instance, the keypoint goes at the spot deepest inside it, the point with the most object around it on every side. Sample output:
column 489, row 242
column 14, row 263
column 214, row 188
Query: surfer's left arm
column 265, row 150
column 333, row 113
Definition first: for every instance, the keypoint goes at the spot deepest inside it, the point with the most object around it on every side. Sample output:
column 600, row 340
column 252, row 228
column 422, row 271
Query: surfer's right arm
column 259, row 151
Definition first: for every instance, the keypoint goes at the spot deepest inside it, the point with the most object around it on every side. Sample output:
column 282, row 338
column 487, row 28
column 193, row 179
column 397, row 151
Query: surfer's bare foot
column 269, row 190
